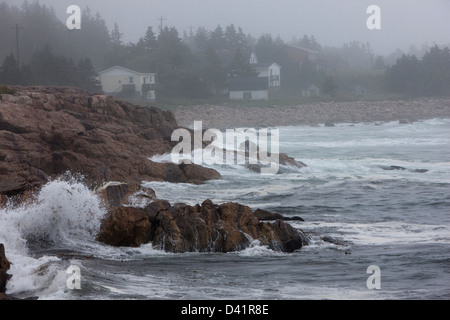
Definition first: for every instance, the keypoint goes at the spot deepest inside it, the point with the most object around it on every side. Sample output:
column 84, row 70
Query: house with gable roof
column 269, row 70
column 125, row 83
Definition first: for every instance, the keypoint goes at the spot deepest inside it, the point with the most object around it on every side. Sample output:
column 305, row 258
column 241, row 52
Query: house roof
column 124, row 69
column 248, row 83
column 302, row 48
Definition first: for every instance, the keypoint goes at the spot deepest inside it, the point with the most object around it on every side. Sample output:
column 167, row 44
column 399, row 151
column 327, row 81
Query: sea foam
column 64, row 213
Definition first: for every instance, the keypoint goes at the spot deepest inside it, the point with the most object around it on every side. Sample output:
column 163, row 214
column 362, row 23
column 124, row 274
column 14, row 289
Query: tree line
column 428, row 76
column 46, row 68
column 193, row 64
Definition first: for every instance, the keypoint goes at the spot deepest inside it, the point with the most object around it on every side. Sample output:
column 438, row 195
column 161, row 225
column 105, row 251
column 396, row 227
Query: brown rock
column 46, row 131
column 286, row 160
column 263, row 215
column 225, row 228
column 116, row 194
column 125, row 226
column 189, row 173
column 205, row 228
column 154, row 210
column 283, row 159
column 288, row 239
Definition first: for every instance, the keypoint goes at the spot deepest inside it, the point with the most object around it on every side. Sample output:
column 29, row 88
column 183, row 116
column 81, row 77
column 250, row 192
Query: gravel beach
column 222, row 117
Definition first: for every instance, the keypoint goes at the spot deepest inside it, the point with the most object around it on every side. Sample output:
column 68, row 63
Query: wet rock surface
column 46, row 131
column 201, row 228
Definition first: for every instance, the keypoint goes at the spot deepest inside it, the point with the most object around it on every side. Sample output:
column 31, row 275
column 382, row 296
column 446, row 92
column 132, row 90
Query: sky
column 332, row 22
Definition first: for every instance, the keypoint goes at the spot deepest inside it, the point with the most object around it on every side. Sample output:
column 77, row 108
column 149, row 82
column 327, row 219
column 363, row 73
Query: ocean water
column 357, row 214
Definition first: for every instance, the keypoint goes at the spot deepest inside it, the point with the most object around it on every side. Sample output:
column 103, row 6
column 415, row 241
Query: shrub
column 6, row 90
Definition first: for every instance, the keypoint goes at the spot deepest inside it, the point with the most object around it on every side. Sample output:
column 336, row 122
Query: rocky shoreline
column 313, row 114
column 49, row 132
column 45, row 132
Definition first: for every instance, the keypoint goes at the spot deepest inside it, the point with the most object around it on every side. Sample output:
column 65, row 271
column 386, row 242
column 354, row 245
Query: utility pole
column 191, row 30
column 161, row 23
column 17, row 42
column 70, row 42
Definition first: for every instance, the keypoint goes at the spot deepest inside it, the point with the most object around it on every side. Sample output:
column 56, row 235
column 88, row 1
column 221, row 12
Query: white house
column 248, row 88
column 126, row 83
column 269, row 70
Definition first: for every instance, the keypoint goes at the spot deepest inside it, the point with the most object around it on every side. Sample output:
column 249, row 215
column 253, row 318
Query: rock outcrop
column 284, row 162
column 201, row 228
column 264, row 215
column 390, row 168
column 45, row 132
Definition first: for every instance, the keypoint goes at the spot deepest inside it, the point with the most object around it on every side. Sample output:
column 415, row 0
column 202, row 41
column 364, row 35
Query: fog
column 332, row 22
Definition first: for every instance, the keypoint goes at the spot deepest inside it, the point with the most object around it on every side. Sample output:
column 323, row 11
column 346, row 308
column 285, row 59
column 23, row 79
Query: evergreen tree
column 49, row 69
column 116, row 36
column 149, row 40
column 330, row 87
column 174, row 61
column 309, row 74
column 85, row 76
column 379, row 63
column 240, row 66
column 435, row 72
column 231, row 38
column 217, row 39
column 10, row 72
column 212, row 71
column 429, row 76
column 200, row 41
column 403, row 77
column 93, row 40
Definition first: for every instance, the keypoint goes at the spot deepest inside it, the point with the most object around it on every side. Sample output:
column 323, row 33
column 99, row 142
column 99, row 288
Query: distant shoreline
column 313, row 114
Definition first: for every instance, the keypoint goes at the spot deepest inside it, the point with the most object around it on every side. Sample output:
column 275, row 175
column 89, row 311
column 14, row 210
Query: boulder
column 125, row 226
column 201, row 228
column 290, row 161
column 390, row 168
column 288, row 239
column 264, row 215
column 116, row 194
column 189, row 173
column 283, row 160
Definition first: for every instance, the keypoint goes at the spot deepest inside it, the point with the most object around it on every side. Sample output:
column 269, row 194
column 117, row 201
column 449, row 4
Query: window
column 274, row 78
column 247, row 95
column 130, row 80
column 145, row 80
